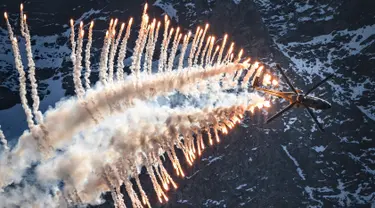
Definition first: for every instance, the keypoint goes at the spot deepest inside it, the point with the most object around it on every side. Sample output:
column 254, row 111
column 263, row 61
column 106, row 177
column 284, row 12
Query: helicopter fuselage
column 309, row 101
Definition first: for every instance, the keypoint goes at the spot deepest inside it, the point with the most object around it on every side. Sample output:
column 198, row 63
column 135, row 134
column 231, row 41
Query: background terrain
column 287, row 163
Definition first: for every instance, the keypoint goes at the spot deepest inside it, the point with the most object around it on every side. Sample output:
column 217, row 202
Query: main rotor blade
column 286, row 78
column 318, row 84
column 281, row 112
column 311, row 113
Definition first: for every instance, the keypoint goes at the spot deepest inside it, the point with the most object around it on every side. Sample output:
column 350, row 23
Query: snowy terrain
column 288, row 162
column 347, row 52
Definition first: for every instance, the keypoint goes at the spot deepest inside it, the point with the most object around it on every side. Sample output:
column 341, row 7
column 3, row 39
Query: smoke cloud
column 113, row 128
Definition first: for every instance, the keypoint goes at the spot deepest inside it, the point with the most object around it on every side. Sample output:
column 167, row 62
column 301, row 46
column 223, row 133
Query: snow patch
column 368, row 111
column 167, row 8
column 15, row 124
column 182, row 201
column 210, row 202
column 319, row 148
column 212, row 159
column 303, row 8
column 241, row 186
column 299, row 170
column 347, row 43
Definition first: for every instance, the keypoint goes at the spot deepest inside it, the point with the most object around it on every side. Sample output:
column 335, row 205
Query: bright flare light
column 150, row 130
column 275, row 82
column 267, row 79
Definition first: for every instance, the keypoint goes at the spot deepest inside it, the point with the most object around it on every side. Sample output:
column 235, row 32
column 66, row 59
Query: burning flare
column 113, row 152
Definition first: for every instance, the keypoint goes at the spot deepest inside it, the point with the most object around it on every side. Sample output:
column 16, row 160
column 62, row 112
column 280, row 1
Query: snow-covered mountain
column 286, row 163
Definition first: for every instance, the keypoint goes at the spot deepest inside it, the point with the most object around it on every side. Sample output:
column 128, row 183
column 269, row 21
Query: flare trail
column 98, row 140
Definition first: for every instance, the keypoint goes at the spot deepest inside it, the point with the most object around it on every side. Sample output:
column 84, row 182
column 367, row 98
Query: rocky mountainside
column 287, row 163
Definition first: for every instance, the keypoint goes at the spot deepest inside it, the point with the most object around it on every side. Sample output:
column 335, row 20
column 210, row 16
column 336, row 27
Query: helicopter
column 297, row 98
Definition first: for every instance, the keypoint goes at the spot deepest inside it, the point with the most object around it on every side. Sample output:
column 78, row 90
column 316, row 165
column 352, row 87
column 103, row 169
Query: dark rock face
column 287, row 163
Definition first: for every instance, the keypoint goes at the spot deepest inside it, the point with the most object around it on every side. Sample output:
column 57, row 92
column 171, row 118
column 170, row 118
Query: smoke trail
column 102, row 65
column 200, row 44
column 183, row 50
column 148, row 46
column 230, row 80
column 205, row 50
column 97, row 115
column 122, row 52
column 3, row 140
column 164, row 43
column 154, row 86
column 249, row 74
column 87, row 56
column 176, row 41
column 73, row 42
column 165, row 56
column 229, row 52
column 239, row 56
column 259, row 71
column 213, row 56
column 22, row 78
column 219, row 59
column 138, row 49
column 193, row 47
column 31, row 64
column 104, row 56
column 197, row 44
column 21, row 19
column 78, row 65
column 155, row 39
column 143, row 45
column 162, row 126
column 107, row 77
column 113, row 52
column 98, row 153
column 112, row 181
column 143, row 38
column 73, row 116
column 208, row 57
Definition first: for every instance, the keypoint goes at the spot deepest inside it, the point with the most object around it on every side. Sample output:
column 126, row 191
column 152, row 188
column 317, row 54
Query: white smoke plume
column 214, row 55
column 193, row 46
column 104, row 55
column 31, row 64
column 139, row 44
column 205, row 50
column 3, row 140
column 209, row 54
column 113, row 52
column 164, row 43
column 152, row 49
column 87, row 57
column 73, row 43
column 176, row 41
column 165, row 52
column 78, row 65
column 109, row 131
column 22, row 77
column 200, row 44
column 149, row 47
column 183, row 51
column 122, row 52
column 220, row 56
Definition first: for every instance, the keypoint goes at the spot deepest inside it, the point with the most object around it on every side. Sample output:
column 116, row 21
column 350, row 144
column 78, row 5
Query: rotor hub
column 300, row 98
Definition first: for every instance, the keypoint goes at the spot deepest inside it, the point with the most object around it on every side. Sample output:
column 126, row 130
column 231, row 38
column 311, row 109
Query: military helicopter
column 297, row 98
